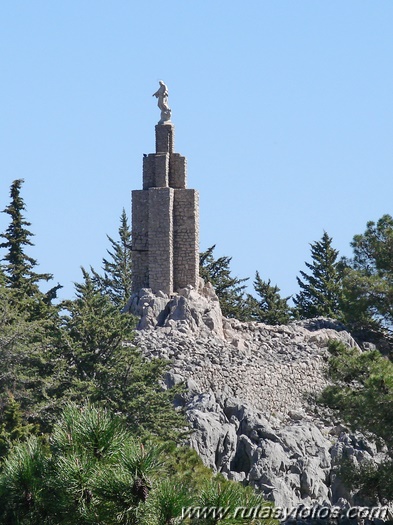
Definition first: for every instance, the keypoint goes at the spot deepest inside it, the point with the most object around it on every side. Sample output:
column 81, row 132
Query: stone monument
column 162, row 95
column 165, row 216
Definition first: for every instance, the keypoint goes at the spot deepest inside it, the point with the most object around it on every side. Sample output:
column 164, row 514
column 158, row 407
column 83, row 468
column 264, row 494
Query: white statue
column 162, row 95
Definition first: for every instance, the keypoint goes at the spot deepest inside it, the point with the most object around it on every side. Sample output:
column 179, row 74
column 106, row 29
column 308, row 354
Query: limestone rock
column 190, row 309
column 251, row 395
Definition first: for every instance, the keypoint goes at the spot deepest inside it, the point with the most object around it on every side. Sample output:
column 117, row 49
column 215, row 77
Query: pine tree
column 86, row 478
column 373, row 250
column 269, row 307
column 19, row 268
column 117, row 278
column 368, row 283
column 230, row 290
column 96, row 472
column 362, row 394
column 320, row 291
column 23, row 498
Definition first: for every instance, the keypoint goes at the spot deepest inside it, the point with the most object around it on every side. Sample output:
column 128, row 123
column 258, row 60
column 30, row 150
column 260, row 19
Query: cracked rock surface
column 251, row 392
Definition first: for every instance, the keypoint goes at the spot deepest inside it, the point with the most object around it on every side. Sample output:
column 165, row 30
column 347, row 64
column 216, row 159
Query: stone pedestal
column 165, row 221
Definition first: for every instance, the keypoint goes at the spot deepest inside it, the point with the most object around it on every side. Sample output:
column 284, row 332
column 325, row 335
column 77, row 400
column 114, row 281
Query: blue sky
column 283, row 109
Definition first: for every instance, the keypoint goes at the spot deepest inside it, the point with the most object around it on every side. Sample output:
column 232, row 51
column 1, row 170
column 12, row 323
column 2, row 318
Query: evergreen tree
column 93, row 328
column 96, row 472
column 362, row 394
column 101, row 363
column 320, row 291
column 269, row 307
column 28, row 370
column 238, row 499
column 373, row 250
column 20, row 267
column 229, row 289
column 117, row 278
column 90, row 354
column 12, row 426
column 19, row 270
column 23, row 498
column 368, row 283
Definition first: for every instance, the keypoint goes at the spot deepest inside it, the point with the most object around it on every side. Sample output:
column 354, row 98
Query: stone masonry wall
column 165, row 138
column 186, row 238
column 165, row 221
column 161, row 239
column 140, row 241
column 178, row 171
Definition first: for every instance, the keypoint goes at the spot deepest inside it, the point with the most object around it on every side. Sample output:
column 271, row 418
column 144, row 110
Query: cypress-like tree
column 28, row 370
column 92, row 328
column 18, row 269
column 269, row 307
column 320, row 291
column 103, row 365
column 229, row 289
column 117, row 279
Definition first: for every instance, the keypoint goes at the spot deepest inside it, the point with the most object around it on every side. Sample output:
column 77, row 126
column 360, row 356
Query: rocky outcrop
column 251, row 394
column 292, row 462
column 190, row 310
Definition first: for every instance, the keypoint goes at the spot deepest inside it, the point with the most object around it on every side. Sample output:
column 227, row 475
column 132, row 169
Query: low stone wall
column 275, row 368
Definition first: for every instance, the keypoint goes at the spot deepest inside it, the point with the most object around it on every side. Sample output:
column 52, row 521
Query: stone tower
column 165, row 219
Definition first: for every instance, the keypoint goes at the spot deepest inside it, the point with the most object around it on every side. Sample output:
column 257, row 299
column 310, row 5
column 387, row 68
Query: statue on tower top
column 162, row 95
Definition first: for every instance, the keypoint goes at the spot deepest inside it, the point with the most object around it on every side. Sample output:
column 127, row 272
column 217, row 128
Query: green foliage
column 19, row 271
column 373, row 483
column 222, row 494
column 368, row 282
column 98, row 365
column 269, row 307
column 99, row 471
column 320, row 291
column 12, row 426
column 28, row 371
column 373, row 250
column 167, row 502
column 2, row 277
column 229, row 289
column 23, row 498
column 184, row 463
column 117, row 279
column 47, row 363
column 96, row 472
column 362, row 394
column 358, row 307
column 92, row 329
column 19, row 268
column 94, row 468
